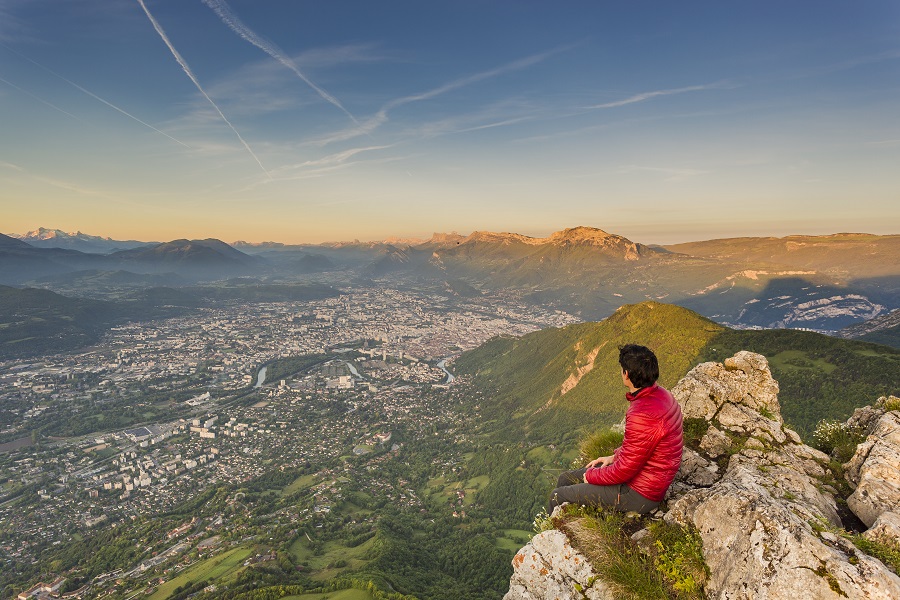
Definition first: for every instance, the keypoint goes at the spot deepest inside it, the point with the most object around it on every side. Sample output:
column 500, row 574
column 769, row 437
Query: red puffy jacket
column 650, row 454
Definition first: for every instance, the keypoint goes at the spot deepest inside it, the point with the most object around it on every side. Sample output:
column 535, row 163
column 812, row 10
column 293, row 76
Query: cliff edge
column 767, row 507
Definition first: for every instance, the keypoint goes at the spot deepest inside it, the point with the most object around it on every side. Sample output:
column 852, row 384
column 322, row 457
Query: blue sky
column 301, row 121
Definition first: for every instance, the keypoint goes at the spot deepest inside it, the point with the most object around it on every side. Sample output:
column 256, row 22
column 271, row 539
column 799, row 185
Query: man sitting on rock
column 637, row 475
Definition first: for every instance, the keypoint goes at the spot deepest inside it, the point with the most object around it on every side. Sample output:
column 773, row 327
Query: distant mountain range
column 822, row 283
column 56, row 238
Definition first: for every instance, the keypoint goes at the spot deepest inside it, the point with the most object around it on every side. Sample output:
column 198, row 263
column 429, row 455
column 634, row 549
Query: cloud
column 11, row 27
column 655, row 94
column 383, row 115
column 68, row 185
column 673, row 173
column 7, row 165
column 190, row 74
column 337, row 158
column 235, row 24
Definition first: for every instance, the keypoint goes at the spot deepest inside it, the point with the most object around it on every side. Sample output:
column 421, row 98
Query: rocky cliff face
column 762, row 501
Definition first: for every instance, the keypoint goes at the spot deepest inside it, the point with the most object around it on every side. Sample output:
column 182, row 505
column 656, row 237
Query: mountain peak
column 581, row 234
column 503, row 238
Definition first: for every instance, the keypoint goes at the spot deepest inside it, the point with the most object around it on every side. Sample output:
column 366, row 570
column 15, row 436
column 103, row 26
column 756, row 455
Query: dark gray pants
column 571, row 488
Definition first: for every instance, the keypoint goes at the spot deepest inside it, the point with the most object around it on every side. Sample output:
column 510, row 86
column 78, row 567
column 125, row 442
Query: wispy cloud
column 68, row 185
column 190, row 74
column 885, row 143
column 336, row 158
column 235, row 24
column 383, row 115
column 11, row 27
column 657, row 93
column 93, row 95
column 7, row 165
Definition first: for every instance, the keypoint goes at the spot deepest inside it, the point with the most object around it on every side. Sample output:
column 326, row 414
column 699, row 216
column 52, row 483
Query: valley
column 366, row 420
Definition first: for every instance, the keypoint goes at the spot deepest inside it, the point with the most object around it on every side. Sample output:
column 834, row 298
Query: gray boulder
column 875, row 470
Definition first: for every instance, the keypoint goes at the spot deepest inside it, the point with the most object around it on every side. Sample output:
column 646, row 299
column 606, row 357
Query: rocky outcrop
column 761, row 500
column 875, row 468
column 549, row 567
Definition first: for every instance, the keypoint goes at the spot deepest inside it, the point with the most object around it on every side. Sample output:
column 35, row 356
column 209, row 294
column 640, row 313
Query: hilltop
column 550, row 380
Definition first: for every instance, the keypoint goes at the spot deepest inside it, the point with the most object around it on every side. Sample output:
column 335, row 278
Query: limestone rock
column 886, row 529
column 744, row 380
column 696, row 470
column 757, row 548
column 875, row 470
column 765, row 517
column 715, row 443
column 548, row 567
column 755, row 519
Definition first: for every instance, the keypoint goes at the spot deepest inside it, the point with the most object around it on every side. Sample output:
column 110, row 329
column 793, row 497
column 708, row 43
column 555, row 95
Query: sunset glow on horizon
column 305, row 122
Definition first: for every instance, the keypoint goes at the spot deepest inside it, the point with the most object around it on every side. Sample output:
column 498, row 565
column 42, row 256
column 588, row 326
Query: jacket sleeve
column 642, row 434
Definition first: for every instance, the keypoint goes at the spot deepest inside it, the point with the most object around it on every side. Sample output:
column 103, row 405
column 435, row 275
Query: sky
column 303, row 121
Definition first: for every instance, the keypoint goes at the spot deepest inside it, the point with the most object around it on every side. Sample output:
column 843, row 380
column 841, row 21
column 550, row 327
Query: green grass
column 301, row 483
column 210, row 570
column 670, row 566
column 321, row 566
column 601, row 443
column 797, row 359
column 541, row 455
column 513, row 539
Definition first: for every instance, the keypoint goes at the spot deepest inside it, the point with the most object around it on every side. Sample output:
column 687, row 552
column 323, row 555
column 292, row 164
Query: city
column 220, row 398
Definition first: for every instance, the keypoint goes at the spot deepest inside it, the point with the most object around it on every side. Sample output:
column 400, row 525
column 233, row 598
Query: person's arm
column 642, row 434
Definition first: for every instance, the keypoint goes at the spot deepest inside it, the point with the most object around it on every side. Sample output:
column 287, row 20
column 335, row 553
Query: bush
column 892, row 403
column 837, row 439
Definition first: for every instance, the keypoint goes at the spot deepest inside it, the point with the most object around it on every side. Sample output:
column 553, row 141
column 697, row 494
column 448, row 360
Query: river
column 261, row 378
column 443, row 365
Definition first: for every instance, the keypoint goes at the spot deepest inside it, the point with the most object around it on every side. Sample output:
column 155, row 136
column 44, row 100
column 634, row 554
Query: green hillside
column 35, row 321
column 524, row 378
column 547, row 383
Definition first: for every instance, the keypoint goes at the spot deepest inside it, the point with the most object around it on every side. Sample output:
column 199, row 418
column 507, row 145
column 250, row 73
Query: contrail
column 190, row 74
column 41, row 100
column 382, row 116
column 235, row 24
column 94, row 96
column 648, row 95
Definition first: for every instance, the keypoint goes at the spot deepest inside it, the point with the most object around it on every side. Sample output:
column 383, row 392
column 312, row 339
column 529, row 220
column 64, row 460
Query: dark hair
column 640, row 363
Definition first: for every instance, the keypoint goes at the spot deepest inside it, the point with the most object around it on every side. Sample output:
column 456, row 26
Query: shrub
column 671, row 566
column 837, row 439
column 694, row 430
column 892, row 403
column 678, row 556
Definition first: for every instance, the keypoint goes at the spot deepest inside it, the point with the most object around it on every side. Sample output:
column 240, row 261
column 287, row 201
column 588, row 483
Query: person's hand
column 602, row 461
